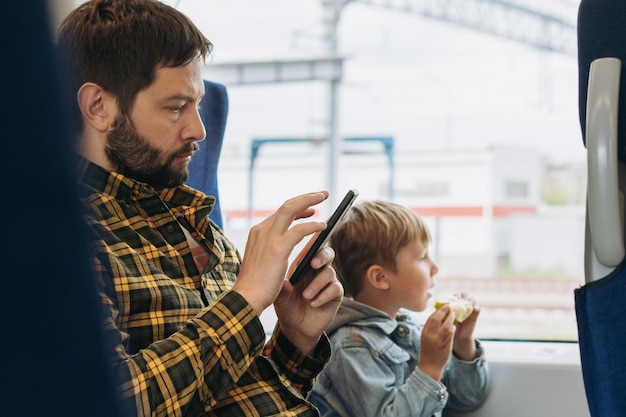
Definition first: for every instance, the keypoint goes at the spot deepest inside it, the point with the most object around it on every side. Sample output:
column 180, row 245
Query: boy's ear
column 376, row 277
column 97, row 107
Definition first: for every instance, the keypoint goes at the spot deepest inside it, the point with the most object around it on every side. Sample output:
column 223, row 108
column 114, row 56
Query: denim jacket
column 373, row 370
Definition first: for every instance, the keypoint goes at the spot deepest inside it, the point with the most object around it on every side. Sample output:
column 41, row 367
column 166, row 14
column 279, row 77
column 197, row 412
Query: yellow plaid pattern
column 183, row 343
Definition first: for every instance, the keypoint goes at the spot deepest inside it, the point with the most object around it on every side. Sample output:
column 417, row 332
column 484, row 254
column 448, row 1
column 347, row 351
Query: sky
column 430, row 85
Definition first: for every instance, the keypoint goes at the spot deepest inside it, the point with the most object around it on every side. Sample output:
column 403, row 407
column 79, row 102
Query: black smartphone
column 305, row 264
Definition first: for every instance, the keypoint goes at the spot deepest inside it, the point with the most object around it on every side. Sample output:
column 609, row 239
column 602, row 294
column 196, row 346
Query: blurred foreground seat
column 53, row 350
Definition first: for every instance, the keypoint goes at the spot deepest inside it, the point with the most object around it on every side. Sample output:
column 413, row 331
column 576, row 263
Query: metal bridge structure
column 545, row 26
column 550, row 29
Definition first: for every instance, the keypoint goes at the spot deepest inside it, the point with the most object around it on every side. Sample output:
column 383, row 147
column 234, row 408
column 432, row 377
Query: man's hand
column 269, row 247
column 305, row 310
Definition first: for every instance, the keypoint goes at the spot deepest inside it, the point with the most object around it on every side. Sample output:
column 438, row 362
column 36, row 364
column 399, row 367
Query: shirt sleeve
column 467, row 381
column 192, row 369
column 300, row 369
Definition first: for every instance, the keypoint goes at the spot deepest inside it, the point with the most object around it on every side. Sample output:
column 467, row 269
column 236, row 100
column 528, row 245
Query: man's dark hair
column 118, row 44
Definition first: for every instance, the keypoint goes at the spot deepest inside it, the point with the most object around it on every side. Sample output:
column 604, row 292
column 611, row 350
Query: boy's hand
column 436, row 345
column 464, row 346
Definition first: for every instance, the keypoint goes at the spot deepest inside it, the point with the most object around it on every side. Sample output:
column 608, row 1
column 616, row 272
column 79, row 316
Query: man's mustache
column 192, row 148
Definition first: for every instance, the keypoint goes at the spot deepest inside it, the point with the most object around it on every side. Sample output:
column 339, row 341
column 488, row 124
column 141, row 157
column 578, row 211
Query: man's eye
column 177, row 108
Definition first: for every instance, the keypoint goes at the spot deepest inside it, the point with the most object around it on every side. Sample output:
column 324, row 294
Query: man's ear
column 375, row 275
column 97, row 107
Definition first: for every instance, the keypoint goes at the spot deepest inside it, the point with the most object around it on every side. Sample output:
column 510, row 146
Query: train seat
column 203, row 166
column 599, row 303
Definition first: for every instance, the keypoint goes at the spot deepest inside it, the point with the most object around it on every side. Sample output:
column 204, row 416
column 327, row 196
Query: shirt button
column 402, row 331
column 170, row 228
column 441, row 395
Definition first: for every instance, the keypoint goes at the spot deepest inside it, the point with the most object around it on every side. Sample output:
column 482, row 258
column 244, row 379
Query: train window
column 515, row 189
column 472, row 122
column 424, row 189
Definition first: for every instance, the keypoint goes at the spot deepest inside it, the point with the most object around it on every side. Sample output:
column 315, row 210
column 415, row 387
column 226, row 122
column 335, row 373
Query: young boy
column 383, row 363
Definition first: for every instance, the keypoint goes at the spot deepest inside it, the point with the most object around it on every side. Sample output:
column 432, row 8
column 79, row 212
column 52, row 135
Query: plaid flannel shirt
column 184, row 344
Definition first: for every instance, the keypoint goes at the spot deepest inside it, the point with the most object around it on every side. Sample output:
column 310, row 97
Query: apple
column 461, row 307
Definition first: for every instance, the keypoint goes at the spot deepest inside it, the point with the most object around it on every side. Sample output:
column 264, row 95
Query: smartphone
column 305, row 264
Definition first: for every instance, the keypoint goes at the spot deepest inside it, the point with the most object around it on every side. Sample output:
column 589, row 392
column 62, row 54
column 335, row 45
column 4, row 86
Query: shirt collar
column 97, row 179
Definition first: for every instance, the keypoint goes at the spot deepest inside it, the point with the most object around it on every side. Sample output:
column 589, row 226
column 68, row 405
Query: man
column 182, row 307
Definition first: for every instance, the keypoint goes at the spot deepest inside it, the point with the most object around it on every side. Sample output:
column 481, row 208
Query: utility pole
column 332, row 14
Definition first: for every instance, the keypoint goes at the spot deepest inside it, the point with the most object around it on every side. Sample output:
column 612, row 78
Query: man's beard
column 131, row 154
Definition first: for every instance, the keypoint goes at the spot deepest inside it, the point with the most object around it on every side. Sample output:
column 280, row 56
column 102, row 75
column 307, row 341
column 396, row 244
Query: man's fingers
column 323, row 288
column 298, row 207
column 324, row 256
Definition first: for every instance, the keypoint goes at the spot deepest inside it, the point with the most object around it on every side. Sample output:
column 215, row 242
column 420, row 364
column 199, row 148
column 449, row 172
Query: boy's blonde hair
column 372, row 233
